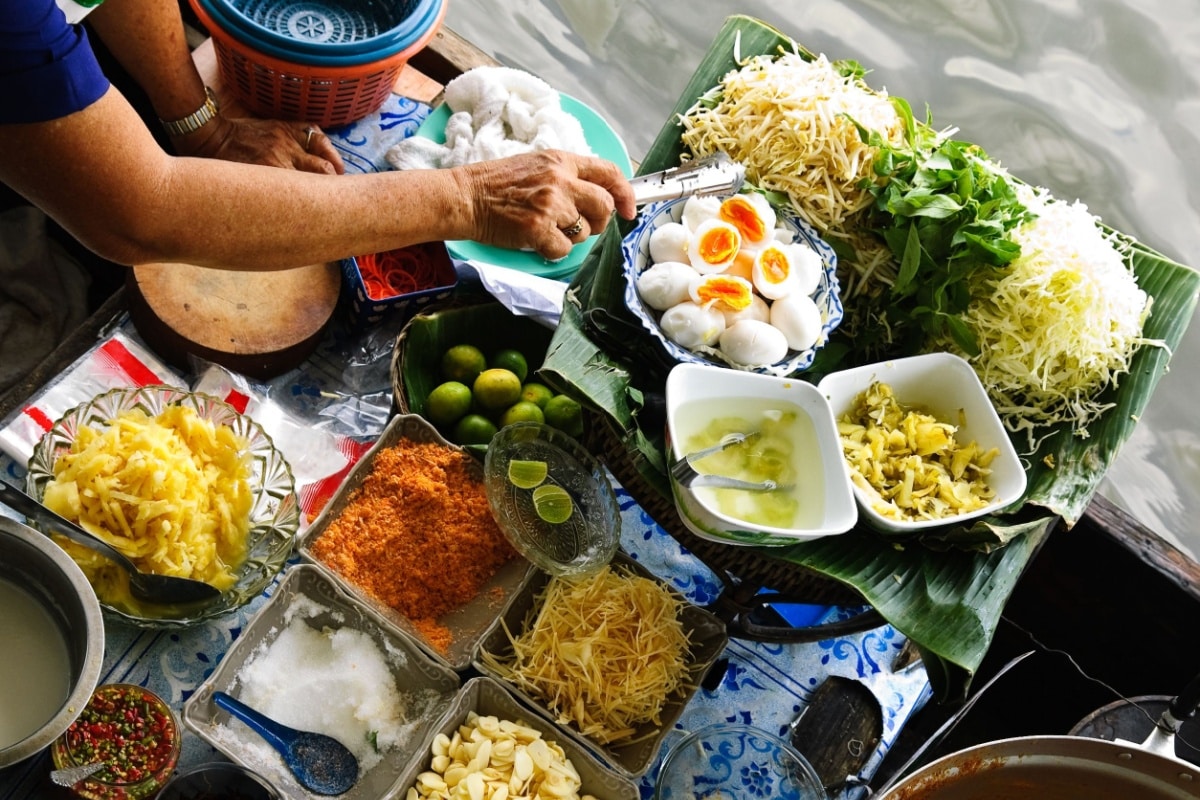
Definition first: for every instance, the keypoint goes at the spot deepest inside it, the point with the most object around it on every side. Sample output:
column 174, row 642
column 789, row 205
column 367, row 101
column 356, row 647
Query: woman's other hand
column 546, row 201
column 275, row 143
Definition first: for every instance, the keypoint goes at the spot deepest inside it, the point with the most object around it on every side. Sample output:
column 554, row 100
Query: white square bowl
column 821, row 468
column 941, row 384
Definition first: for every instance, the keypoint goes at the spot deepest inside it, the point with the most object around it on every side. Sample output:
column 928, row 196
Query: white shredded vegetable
column 791, row 123
column 1061, row 323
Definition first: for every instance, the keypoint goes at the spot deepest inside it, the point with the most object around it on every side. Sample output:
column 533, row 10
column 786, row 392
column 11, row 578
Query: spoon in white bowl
column 687, row 475
column 165, row 590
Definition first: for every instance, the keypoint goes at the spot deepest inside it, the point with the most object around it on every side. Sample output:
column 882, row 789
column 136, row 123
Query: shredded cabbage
column 1060, row 323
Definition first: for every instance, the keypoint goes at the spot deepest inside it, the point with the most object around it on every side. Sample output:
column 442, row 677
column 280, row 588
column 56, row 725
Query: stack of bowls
column 322, row 61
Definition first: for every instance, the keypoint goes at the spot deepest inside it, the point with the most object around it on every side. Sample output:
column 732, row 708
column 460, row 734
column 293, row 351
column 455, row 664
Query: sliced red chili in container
column 131, row 729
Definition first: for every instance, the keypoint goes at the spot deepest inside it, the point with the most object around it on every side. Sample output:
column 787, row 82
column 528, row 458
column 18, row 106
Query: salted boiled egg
column 757, row 310
column 666, row 284
column 691, row 325
column 669, row 242
column 698, row 209
column 721, row 291
column 798, row 319
column 714, row 246
column 784, row 269
column 743, row 264
column 752, row 215
column 753, row 343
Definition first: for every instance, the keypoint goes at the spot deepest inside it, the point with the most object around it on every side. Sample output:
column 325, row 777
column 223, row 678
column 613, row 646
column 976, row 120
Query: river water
column 1094, row 100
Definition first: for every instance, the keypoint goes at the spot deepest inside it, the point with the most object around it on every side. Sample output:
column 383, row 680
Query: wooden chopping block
column 259, row 324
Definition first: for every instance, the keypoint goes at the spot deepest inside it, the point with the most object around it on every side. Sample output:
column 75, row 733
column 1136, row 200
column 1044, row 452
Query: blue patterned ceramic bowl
column 736, row 762
column 636, row 251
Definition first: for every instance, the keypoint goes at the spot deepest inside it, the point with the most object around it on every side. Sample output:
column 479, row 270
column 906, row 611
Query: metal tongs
column 715, row 174
column 683, row 471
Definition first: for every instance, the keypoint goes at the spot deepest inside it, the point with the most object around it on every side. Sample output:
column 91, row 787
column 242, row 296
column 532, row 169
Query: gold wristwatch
column 194, row 121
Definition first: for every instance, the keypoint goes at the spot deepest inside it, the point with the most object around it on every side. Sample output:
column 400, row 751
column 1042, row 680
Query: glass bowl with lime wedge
column 552, row 499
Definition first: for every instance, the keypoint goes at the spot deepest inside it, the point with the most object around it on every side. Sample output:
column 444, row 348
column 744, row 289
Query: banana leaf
column 947, row 595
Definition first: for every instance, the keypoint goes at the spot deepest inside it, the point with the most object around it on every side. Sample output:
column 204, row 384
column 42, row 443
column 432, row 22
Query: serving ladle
column 683, row 471
column 321, row 764
column 146, row 587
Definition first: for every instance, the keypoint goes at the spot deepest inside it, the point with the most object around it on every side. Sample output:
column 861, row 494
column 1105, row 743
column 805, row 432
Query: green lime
column 552, row 503
column 496, row 389
column 564, row 413
column 526, row 474
column 536, row 393
column 511, row 360
column 463, row 363
column 474, row 429
column 521, row 411
column 447, row 403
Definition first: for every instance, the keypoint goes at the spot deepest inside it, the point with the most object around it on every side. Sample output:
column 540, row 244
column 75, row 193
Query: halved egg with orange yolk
column 774, row 272
column 713, row 246
column 723, row 292
column 752, row 215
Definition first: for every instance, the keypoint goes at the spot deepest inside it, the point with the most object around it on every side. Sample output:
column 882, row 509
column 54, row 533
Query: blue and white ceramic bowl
column 636, row 250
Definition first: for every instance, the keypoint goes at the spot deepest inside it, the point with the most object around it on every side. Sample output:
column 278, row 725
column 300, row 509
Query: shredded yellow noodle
column 171, row 492
column 605, row 652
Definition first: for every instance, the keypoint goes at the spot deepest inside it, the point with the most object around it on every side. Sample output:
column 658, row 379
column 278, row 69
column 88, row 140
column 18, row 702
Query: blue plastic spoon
column 320, row 763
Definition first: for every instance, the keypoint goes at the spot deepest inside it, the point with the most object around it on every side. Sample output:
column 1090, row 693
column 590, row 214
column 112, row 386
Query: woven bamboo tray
column 751, row 576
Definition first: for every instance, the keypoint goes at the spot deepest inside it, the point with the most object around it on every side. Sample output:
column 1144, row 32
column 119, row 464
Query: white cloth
column 496, row 112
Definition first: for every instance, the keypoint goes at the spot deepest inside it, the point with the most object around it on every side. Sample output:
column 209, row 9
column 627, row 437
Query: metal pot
column 1064, row 767
column 1051, row 768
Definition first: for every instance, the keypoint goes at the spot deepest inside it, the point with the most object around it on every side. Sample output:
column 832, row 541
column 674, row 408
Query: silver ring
column 575, row 228
column 308, row 134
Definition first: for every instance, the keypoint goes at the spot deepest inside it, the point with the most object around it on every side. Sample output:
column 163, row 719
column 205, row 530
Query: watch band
column 194, row 121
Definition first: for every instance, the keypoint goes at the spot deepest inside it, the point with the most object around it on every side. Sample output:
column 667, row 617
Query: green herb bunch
column 944, row 211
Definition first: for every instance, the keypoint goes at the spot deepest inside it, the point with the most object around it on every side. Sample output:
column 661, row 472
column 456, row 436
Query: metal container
column 32, row 563
column 1051, row 768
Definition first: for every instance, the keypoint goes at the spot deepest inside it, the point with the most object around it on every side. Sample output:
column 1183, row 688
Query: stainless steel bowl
column 32, row 563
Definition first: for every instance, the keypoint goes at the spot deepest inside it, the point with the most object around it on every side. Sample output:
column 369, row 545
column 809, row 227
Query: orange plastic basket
column 327, row 96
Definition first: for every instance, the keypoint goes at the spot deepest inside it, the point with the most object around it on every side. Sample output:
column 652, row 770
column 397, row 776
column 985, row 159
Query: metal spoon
column 146, row 587
column 321, row 763
column 69, row 776
column 686, row 474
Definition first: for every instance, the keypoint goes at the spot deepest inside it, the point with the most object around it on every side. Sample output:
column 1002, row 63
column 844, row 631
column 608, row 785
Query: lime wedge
column 552, row 503
column 526, row 474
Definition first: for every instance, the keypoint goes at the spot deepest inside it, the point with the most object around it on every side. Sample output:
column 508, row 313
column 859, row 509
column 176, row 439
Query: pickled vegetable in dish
column 910, row 462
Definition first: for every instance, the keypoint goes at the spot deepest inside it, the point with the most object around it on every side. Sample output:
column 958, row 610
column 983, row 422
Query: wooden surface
column 260, row 324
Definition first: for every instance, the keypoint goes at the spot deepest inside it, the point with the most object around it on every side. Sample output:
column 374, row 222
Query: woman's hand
column 275, row 143
column 546, row 201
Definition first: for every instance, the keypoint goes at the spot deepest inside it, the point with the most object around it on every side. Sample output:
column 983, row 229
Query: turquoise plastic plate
column 604, row 142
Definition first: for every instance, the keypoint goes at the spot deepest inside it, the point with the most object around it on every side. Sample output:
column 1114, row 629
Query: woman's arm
column 147, row 38
column 102, row 176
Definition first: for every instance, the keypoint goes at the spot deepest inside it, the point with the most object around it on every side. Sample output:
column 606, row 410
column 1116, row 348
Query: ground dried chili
column 417, row 535
column 133, row 731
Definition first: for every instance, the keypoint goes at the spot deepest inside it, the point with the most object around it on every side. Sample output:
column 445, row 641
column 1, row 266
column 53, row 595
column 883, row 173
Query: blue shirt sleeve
column 47, row 67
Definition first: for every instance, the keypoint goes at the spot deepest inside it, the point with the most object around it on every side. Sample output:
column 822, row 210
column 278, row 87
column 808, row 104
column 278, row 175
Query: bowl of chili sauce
column 133, row 731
